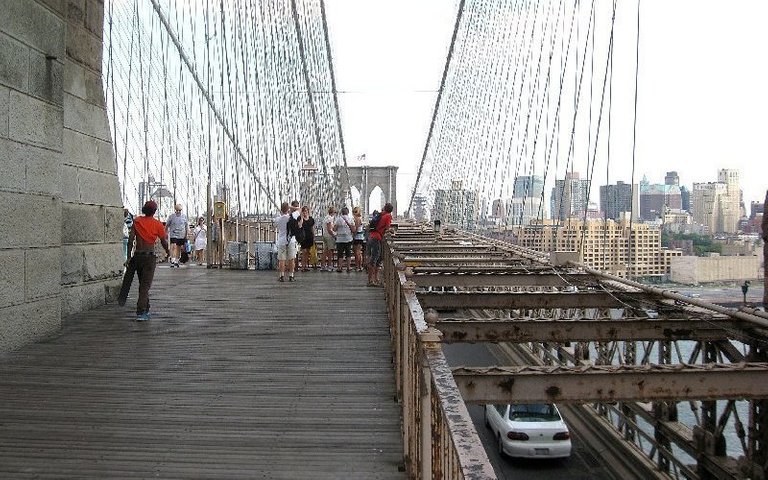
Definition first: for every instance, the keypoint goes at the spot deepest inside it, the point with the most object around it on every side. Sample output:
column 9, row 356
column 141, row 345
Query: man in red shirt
column 374, row 244
column 145, row 232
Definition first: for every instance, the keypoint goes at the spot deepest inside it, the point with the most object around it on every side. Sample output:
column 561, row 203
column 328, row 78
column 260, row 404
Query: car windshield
column 538, row 412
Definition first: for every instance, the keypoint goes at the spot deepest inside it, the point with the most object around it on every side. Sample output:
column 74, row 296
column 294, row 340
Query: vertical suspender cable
column 207, row 96
column 634, row 141
column 336, row 99
column 437, row 104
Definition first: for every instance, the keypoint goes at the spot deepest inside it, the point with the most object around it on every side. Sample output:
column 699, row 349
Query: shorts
column 344, row 249
column 358, row 241
column 374, row 252
column 329, row 243
column 286, row 251
column 178, row 241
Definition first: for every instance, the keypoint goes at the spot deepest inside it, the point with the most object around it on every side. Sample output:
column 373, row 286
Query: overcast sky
column 702, row 100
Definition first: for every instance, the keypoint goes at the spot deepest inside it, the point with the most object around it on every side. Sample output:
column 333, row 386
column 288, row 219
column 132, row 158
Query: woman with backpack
column 379, row 226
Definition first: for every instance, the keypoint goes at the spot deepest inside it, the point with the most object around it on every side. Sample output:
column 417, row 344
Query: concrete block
column 14, row 169
column 69, row 184
column 12, row 279
column 84, row 47
column 14, row 63
column 42, row 269
column 83, row 83
column 113, row 224
column 33, row 222
column 35, row 122
column 33, row 24
column 104, row 262
column 44, row 172
column 81, row 116
column 4, row 105
column 94, row 17
column 84, row 151
column 86, row 296
column 46, row 78
column 56, row 5
column 29, row 322
column 76, row 11
column 72, row 264
column 97, row 188
column 81, row 223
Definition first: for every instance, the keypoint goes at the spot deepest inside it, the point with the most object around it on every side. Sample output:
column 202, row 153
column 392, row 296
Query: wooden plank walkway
column 235, row 376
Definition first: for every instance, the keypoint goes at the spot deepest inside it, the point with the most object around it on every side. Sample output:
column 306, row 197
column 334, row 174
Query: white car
column 529, row 430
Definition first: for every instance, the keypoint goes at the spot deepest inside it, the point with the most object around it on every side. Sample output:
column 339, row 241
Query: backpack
column 294, row 230
column 374, row 222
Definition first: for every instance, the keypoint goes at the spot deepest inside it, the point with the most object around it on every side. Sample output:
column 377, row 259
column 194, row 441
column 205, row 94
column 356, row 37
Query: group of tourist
column 344, row 236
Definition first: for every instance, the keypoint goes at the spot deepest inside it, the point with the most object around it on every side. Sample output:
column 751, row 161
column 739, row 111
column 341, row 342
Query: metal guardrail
column 440, row 440
column 563, row 311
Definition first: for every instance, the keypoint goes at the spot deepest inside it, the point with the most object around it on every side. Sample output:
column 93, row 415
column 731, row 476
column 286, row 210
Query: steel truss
column 636, row 355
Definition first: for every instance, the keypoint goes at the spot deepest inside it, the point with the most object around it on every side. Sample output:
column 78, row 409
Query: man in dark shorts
column 177, row 226
column 374, row 244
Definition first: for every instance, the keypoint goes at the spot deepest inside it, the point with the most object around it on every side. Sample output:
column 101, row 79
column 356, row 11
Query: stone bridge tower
column 61, row 221
column 366, row 179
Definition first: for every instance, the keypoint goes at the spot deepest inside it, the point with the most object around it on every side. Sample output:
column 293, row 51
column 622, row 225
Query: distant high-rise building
column 420, row 213
column 605, row 246
column 685, row 196
column 456, row 206
column 655, row 199
column 707, row 205
column 620, row 198
column 672, row 179
column 525, row 205
column 717, row 205
column 731, row 204
column 528, row 186
column 570, row 197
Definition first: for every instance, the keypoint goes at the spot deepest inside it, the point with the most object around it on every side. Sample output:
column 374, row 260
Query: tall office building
column 732, row 202
column 420, row 213
column 655, row 199
column 526, row 202
column 457, row 206
column 707, row 205
column 717, row 205
column 606, row 246
column 672, row 178
column 570, row 197
column 685, row 195
column 615, row 200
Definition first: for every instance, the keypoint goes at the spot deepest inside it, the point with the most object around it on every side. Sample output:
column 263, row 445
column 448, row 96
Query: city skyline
column 701, row 102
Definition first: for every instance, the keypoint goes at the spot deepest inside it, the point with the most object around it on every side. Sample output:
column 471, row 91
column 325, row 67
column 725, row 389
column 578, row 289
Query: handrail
column 439, row 437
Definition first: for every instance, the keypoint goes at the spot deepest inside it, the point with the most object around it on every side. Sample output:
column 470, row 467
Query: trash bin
column 265, row 256
column 238, row 255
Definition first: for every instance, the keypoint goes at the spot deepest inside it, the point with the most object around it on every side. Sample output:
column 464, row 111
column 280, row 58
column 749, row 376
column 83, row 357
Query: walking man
column 177, row 226
column 145, row 232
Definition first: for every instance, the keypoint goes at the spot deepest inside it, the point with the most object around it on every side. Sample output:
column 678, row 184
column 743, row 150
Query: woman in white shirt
column 200, row 239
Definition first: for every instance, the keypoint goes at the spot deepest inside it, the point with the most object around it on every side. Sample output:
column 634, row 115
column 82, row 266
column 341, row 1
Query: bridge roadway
column 235, row 376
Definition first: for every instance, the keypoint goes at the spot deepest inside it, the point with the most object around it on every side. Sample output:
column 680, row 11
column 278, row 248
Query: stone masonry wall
column 60, row 227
